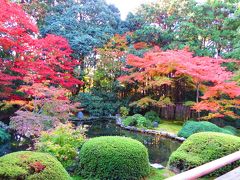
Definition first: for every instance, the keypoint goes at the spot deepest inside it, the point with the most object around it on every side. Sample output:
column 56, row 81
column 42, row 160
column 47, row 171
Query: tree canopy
column 86, row 24
column 28, row 59
column 165, row 53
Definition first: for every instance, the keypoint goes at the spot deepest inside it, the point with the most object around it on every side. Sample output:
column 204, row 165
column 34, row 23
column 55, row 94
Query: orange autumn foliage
column 159, row 69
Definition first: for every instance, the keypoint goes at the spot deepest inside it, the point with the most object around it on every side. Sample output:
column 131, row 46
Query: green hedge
column 232, row 129
column 31, row 165
column 152, row 116
column 113, row 157
column 130, row 121
column 191, row 127
column 137, row 120
column 204, row 147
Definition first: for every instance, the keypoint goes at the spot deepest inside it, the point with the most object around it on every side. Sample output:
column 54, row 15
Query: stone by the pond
column 80, row 115
column 157, row 166
column 155, row 124
column 181, row 138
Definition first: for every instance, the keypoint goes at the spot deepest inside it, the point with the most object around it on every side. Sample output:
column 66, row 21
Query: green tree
column 86, row 24
column 161, row 20
column 207, row 29
column 133, row 22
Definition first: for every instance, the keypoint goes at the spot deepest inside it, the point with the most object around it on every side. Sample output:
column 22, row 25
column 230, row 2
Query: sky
column 126, row 6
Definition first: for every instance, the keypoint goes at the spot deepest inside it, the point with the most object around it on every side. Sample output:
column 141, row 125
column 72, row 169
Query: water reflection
column 16, row 143
column 159, row 148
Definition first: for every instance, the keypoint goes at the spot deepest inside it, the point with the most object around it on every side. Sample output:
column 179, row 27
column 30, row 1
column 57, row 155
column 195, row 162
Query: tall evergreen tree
column 87, row 24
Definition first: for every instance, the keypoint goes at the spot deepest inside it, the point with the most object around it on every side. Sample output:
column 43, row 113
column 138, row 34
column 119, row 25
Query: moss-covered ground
column 170, row 126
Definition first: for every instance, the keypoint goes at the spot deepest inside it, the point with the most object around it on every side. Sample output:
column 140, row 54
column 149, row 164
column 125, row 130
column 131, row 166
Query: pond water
column 16, row 144
column 159, row 148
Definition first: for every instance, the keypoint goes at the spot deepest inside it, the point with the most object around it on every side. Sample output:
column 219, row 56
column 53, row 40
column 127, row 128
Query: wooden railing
column 207, row 168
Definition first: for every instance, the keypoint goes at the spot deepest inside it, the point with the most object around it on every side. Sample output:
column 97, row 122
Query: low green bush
column 137, row 116
column 152, row 116
column 137, row 120
column 4, row 136
column 142, row 122
column 63, row 142
column 204, row 147
column 31, row 165
column 191, row 127
column 231, row 129
column 129, row 121
column 124, row 111
column 113, row 157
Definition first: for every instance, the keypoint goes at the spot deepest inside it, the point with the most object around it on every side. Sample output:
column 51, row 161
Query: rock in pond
column 157, row 166
column 80, row 115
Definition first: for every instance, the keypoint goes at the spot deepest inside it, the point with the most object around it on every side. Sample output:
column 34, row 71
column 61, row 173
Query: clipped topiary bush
column 204, row 147
column 129, row 121
column 137, row 120
column 152, row 116
column 31, row 165
column 137, row 116
column 191, row 127
column 232, row 129
column 113, row 157
column 142, row 122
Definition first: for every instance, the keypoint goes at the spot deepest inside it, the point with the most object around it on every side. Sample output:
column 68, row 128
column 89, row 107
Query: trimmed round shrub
column 130, row 121
column 31, row 165
column 204, row 147
column 152, row 116
column 191, row 127
column 113, row 157
column 137, row 116
column 137, row 120
column 232, row 129
column 142, row 122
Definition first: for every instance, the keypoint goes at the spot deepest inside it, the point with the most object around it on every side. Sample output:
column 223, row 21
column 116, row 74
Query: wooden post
column 197, row 98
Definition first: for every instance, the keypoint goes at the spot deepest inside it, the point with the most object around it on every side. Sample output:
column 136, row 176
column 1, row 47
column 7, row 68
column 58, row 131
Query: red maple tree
column 161, row 71
column 28, row 59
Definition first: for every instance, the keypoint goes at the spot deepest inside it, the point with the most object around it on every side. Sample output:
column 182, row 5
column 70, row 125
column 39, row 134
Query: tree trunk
column 197, row 98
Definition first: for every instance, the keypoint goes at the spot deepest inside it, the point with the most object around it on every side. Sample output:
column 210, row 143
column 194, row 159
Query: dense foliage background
column 169, row 60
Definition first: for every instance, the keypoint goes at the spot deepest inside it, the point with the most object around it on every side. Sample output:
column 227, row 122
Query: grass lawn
column 170, row 126
column 155, row 174
column 159, row 174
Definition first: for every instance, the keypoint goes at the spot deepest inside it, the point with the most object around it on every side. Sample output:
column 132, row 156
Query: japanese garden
column 90, row 89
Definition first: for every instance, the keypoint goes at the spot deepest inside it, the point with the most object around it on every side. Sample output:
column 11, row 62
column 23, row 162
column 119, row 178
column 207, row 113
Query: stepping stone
column 157, row 166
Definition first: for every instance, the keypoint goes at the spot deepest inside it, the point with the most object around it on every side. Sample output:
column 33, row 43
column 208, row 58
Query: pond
column 16, row 144
column 159, row 148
